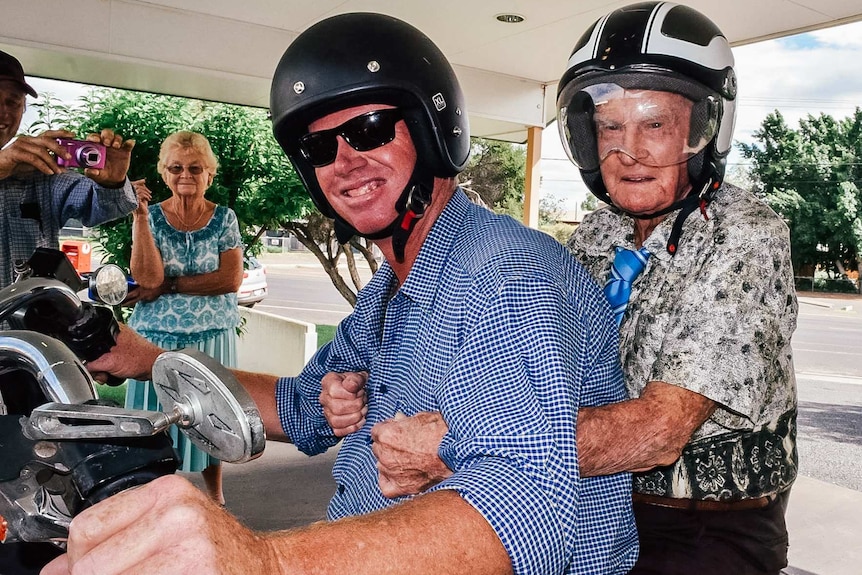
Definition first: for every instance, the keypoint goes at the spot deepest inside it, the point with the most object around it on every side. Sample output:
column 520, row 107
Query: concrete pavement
column 825, row 526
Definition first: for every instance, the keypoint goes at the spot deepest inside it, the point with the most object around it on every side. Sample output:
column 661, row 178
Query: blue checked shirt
column 498, row 328
column 33, row 208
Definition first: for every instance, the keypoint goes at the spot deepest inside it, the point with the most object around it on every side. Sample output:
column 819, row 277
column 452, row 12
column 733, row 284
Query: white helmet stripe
column 650, row 23
column 589, row 51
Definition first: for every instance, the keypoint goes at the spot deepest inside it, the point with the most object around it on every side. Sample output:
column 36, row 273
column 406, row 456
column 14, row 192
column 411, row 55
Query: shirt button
column 341, row 489
column 383, row 388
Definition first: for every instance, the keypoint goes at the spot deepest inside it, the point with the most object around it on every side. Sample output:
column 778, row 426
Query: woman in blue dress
column 187, row 261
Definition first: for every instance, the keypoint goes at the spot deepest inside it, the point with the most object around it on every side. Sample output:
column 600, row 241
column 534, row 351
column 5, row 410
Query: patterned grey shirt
column 716, row 319
column 34, row 208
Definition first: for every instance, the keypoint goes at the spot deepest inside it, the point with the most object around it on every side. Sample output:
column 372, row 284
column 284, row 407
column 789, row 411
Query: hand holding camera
column 26, row 154
column 115, row 159
column 104, row 156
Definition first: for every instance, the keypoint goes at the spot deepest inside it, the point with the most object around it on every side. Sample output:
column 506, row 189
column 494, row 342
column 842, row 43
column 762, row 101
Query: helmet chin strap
column 688, row 204
column 411, row 206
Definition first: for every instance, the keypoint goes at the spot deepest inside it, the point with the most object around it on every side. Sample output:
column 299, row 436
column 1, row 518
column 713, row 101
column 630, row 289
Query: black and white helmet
column 657, row 46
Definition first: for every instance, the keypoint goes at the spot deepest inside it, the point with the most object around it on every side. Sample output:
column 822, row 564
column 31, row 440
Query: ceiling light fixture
column 510, row 18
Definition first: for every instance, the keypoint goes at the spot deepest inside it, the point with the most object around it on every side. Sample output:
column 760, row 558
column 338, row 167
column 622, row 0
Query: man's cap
column 10, row 69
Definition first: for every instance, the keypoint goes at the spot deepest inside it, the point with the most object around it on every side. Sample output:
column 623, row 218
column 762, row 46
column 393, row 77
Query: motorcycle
column 63, row 449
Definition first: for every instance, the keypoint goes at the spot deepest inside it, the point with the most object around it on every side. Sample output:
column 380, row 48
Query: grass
column 113, row 393
column 325, row 333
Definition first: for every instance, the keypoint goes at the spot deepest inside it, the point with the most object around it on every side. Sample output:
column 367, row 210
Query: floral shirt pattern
column 716, row 319
column 189, row 318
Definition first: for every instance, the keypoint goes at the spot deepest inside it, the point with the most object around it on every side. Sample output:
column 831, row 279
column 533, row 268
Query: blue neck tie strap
column 628, row 264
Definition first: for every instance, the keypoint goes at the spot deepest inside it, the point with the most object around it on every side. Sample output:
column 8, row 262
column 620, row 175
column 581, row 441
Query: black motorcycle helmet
column 652, row 46
column 361, row 58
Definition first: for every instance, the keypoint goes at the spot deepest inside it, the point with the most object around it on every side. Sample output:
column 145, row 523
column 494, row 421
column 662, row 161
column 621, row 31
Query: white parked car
column 253, row 287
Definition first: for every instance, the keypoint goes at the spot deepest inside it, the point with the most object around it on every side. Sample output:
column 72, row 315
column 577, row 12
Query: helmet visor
column 655, row 128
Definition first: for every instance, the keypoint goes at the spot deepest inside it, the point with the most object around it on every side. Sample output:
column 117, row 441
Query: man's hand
column 34, row 153
column 133, row 356
column 406, row 452
column 344, row 401
column 117, row 159
column 165, row 526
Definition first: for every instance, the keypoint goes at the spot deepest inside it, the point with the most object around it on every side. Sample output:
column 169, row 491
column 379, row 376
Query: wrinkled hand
column 118, row 155
column 133, row 356
column 344, row 402
column 406, row 452
column 144, row 195
column 165, row 526
column 31, row 153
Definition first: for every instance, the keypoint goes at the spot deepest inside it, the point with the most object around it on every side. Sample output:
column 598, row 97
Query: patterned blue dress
column 175, row 321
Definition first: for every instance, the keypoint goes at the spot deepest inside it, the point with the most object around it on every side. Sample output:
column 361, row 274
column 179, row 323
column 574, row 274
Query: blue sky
column 812, row 73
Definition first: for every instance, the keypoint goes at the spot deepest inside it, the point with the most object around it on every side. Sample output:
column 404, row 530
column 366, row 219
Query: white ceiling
column 226, row 50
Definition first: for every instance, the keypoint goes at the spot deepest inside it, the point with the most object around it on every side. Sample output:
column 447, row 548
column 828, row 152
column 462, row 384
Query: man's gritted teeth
column 362, row 188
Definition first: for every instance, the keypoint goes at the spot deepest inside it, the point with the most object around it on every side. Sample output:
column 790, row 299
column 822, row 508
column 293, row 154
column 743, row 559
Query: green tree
column 495, row 177
column 51, row 113
column 317, row 233
column 496, row 172
column 811, row 177
column 590, row 204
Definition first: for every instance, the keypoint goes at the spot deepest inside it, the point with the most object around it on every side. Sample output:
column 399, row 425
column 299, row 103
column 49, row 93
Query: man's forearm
column 639, row 434
column 261, row 387
column 177, row 528
column 434, row 533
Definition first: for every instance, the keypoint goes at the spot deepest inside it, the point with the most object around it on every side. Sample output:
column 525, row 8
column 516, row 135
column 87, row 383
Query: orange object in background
column 79, row 253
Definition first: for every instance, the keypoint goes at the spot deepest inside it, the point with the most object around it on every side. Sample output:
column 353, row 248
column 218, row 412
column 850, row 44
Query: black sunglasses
column 364, row 132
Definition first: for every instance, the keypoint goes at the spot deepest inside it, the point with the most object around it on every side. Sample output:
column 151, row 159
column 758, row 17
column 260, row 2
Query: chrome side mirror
column 108, row 285
column 197, row 393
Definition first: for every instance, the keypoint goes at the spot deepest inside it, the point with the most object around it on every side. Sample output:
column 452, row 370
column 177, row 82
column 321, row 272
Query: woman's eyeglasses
column 177, row 169
column 365, row 132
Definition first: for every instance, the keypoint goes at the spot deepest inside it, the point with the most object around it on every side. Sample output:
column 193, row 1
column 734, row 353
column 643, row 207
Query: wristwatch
column 172, row 284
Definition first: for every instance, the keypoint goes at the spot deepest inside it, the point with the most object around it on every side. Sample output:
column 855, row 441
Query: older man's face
column 642, row 140
column 363, row 187
column 12, row 104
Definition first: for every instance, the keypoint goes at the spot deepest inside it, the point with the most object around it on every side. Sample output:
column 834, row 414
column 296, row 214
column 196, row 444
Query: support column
column 532, row 177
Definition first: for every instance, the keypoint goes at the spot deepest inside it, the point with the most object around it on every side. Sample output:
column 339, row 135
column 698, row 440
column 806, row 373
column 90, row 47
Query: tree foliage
column 811, row 176
column 496, row 172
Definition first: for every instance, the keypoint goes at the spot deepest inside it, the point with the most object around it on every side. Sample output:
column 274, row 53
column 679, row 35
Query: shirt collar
column 439, row 247
column 620, row 233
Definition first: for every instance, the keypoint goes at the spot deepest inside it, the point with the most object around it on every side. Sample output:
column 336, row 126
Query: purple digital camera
column 84, row 154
